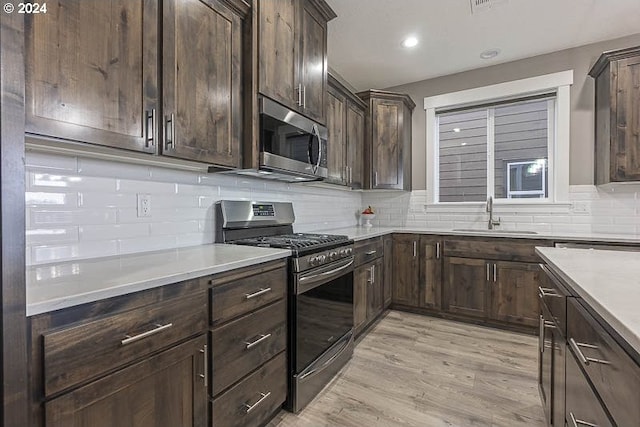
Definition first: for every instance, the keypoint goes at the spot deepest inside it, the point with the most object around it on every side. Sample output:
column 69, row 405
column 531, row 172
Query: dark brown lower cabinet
column 166, row 390
column 360, row 283
column 387, row 286
column 514, row 292
column 465, row 286
column 431, row 272
column 583, row 408
column 406, row 270
column 375, row 303
column 368, row 293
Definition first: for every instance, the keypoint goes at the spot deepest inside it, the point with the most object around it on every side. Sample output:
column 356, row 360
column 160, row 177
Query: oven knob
column 333, row 255
column 322, row 258
column 349, row 251
column 313, row 260
column 343, row 252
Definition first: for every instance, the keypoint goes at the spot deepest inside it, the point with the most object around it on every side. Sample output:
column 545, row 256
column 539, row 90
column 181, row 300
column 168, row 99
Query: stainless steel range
column 320, row 314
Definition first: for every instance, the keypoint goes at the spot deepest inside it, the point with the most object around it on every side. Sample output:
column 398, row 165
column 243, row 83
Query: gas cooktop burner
column 295, row 241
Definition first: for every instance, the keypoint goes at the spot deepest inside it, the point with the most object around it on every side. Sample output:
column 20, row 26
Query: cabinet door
column 388, row 270
column 583, row 408
column 625, row 155
column 336, row 126
column 355, row 144
column 431, row 272
column 91, row 72
column 545, row 365
column 313, row 61
column 374, row 291
column 387, row 144
column 166, row 390
column 558, row 386
column 202, row 47
column 361, row 277
column 514, row 292
column 465, row 285
column 406, row 271
column 278, row 51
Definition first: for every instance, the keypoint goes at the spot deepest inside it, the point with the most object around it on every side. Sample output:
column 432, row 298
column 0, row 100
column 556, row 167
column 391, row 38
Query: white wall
column 83, row 208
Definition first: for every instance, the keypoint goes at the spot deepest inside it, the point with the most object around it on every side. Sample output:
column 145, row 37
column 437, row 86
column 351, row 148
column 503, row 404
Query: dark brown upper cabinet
column 202, row 87
column 617, row 121
column 345, row 122
column 387, row 140
column 292, row 54
column 92, row 73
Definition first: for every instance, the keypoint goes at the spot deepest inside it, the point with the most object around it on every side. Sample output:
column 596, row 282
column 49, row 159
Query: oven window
column 323, row 315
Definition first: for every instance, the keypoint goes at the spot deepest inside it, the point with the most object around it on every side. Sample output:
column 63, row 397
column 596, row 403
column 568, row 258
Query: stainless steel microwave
column 291, row 144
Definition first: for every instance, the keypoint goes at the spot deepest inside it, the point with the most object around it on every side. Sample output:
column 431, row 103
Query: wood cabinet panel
column 617, row 102
column 360, row 285
column 374, row 293
column 244, row 344
column 514, row 292
column 368, row 250
column 235, row 295
column 91, row 72
column 406, row 270
column 355, row 144
column 431, row 272
column 313, row 61
column 614, row 375
column 582, row 404
column 336, row 143
column 465, row 286
column 263, row 391
column 496, row 248
column 388, row 270
column 84, row 351
column 202, row 47
column 278, row 50
column 166, row 390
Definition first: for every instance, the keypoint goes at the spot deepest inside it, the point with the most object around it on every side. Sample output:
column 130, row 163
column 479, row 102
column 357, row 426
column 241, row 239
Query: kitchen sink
column 477, row 230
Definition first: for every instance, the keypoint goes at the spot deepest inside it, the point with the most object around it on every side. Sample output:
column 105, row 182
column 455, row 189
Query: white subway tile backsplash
column 103, row 168
column 51, row 253
column 108, row 232
column 89, row 199
column 44, row 161
column 43, row 217
column 41, row 198
column 38, row 181
column 39, row 236
column 134, row 186
column 143, row 244
column 175, row 228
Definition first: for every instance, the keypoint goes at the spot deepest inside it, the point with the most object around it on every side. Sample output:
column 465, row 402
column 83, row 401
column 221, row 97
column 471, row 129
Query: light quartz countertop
column 361, row 233
column 608, row 281
column 55, row 286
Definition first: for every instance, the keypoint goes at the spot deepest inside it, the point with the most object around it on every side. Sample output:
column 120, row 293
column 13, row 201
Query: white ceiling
column 364, row 40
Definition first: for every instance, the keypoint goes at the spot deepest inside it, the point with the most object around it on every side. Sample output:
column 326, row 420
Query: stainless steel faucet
column 492, row 223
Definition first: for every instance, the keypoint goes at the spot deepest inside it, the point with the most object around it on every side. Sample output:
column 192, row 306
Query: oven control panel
column 322, row 258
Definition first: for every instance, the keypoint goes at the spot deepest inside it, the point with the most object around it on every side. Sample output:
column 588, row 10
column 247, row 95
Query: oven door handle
column 306, row 282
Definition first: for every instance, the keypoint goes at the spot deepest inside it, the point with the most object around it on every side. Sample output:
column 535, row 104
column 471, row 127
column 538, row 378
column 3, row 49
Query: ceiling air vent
column 478, row 6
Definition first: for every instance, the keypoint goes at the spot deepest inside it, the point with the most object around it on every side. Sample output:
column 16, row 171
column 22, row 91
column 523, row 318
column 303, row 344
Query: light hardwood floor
column 412, row 370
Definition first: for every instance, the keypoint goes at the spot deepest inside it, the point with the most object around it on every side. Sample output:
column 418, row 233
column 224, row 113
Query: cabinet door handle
column 304, row 96
column 547, row 292
column 252, row 344
column 541, row 334
column 170, row 131
column 375, row 179
column 487, row 265
column 150, row 130
column 205, row 375
column 371, row 252
column 373, row 274
column 128, row 339
column 299, row 95
column 577, row 423
column 263, row 396
column 585, row 360
column 262, row 291
column 415, row 248
column 495, row 272
column 437, row 250
column 349, row 176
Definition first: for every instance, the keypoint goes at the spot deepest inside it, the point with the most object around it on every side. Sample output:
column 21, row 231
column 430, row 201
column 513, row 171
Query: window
column 509, row 141
column 514, row 137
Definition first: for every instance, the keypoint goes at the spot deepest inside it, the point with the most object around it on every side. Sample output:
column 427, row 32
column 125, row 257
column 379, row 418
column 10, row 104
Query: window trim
column 558, row 162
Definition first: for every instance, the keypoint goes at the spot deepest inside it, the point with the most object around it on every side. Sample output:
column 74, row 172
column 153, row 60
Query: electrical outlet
column 144, row 205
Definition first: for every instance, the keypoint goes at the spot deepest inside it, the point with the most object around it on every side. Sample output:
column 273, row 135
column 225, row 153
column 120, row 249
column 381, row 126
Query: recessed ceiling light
column 490, row 53
column 410, row 41
column 456, row 130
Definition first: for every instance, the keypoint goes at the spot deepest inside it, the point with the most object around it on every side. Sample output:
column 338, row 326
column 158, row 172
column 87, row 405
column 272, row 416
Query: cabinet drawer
column 82, row 352
column 242, row 345
column 554, row 296
column 234, row 296
column 367, row 250
column 251, row 401
column 498, row 248
column 581, row 403
column 615, row 376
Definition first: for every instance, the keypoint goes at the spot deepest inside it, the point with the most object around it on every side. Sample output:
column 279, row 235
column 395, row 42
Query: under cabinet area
column 85, row 85
column 120, row 357
column 248, row 338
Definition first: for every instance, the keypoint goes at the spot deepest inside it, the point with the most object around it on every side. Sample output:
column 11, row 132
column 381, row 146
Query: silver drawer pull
column 158, row 328
column 256, row 342
column 585, row 360
column 371, row 252
column 548, row 292
column 577, row 423
column 263, row 397
column 257, row 293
